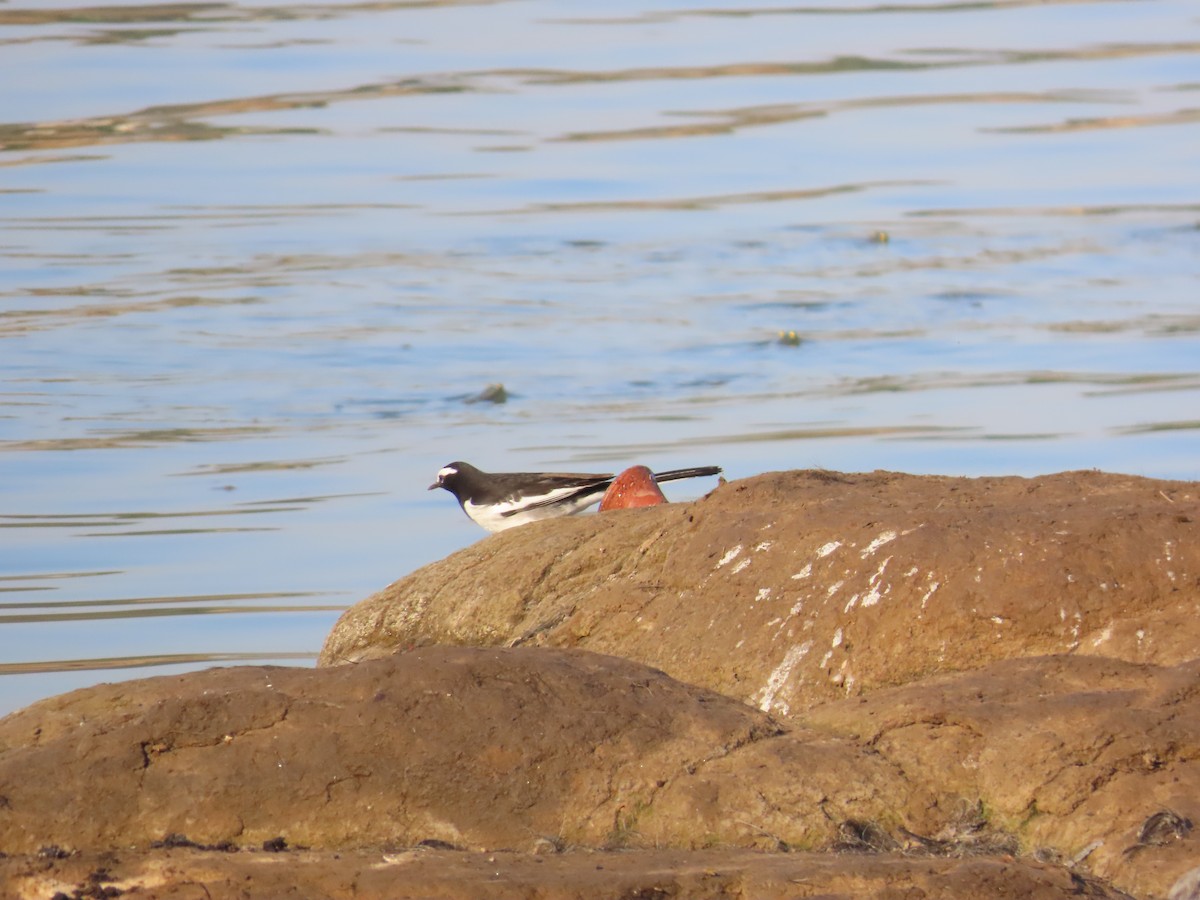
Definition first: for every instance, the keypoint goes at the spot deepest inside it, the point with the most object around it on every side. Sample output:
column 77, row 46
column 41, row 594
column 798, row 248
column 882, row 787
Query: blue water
column 254, row 259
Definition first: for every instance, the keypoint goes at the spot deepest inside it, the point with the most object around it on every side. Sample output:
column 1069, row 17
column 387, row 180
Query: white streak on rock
column 886, row 538
column 778, row 678
column 874, row 595
column 729, row 556
column 929, row 593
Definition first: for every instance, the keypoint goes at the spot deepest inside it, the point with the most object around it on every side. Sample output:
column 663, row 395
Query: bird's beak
column 436, row 484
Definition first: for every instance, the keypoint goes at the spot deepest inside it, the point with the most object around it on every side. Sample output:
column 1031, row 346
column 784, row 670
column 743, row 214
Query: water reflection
column 184, row 121
column 148, row 661
column 247, row 299
column 140, row 607
column 848, row 9
column 132, row 438
column 215, row 13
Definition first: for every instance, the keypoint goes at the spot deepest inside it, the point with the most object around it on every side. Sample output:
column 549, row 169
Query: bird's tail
column 694, row 472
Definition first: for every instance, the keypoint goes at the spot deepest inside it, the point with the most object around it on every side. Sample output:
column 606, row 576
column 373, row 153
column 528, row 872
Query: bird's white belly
column 493, row 518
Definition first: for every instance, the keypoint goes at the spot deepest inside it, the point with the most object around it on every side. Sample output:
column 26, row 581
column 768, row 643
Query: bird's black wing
column 600, row 484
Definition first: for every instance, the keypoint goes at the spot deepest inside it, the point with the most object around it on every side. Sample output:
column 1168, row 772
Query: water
column 256, row 259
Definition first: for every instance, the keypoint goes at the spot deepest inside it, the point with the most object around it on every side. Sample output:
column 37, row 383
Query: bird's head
column 448, row 475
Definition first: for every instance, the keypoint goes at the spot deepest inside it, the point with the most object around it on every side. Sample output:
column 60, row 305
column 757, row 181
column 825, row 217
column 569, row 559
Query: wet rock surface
column 808, row 684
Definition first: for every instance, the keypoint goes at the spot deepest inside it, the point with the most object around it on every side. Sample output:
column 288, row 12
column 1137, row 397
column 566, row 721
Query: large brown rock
column 1075, row 759
column 800, row 587
column 1081, row 757
column 1060, row 758
column 984, row 688
column 475, row 747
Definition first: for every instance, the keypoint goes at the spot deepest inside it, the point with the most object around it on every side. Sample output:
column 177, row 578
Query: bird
column 500, row 500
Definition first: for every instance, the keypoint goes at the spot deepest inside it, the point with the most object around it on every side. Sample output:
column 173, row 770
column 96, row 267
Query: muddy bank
column 184, row 874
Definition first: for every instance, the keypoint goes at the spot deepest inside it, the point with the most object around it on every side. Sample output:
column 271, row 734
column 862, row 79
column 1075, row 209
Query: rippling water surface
column 258, row 261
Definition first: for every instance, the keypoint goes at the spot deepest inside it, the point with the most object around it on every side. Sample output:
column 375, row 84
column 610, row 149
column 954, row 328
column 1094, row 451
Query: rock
column 1067, row 752
column 635, row 487
column 928, row 687
column 479, row 748
column 537, row 750
column 790, row 339
column 1070, row 758
column 796, row 588
column 493, row 393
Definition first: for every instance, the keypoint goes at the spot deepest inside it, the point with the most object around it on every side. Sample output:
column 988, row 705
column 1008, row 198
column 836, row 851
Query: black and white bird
column 500, row 500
